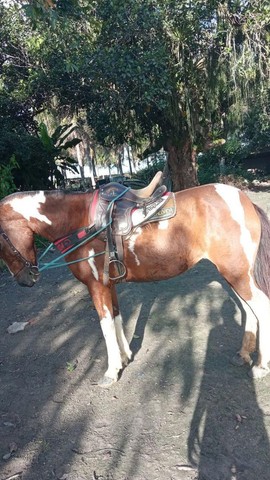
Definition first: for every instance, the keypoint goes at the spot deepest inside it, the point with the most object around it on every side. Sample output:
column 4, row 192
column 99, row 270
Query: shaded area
column 228, row 438
column 180, row 410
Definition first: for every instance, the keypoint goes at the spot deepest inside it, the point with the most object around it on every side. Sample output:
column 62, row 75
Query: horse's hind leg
column 257, row 307
column 249, row 342
column 260, row 305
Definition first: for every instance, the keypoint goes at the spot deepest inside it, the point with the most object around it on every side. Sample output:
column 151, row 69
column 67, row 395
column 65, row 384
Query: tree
column 178, row 73
column 7, row 184
column 57, row 146
column 150, row 73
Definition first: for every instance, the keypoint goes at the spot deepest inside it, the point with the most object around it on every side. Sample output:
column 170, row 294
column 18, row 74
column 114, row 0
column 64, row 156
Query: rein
column 26, row 264
column 81, row 236
column 66, row 245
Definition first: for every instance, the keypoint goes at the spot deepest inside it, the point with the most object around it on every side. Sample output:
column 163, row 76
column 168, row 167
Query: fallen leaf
column 15, row 476
column 17, row 327
column 185, row 468
column 13, row 447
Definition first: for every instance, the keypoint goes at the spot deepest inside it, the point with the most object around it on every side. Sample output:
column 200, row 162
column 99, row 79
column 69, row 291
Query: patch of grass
column 2, row 265
column 71, row 366
column 44, row 445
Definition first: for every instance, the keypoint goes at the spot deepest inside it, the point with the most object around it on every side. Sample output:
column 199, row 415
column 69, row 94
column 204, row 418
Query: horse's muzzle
column 27, row 277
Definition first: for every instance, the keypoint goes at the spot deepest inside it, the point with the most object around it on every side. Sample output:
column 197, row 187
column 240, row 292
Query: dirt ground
column 181, row 410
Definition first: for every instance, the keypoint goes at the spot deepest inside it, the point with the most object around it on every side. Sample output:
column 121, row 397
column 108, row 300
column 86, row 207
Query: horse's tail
column 262, row 262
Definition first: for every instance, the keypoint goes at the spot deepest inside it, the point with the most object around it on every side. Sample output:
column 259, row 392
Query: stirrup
column 120, row 267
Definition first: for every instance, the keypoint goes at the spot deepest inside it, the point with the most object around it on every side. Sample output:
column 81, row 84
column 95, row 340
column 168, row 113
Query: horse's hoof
column 258, row 372
column 239, row 361
column 125, row 361
column 106, row 382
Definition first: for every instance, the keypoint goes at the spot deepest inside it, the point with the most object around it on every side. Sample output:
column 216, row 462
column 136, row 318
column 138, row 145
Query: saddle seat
column 116, row 203
column 111, row 191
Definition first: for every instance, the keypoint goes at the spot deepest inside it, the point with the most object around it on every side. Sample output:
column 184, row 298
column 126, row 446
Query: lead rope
column 55, row 262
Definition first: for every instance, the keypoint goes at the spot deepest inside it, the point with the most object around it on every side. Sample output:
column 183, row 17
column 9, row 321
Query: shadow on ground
column 181, row 410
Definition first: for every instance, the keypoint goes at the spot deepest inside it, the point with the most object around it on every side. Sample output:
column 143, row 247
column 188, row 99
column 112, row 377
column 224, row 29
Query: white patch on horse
column 163, row 224
column 137, row 217
column 260, row 307
column 28, row 206
column 131, row 243
column 114, row 357
column 92, row 264
column 121, row 338
column 231, row 197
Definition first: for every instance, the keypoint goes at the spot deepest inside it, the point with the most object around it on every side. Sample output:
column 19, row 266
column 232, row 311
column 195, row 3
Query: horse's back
column 222, row 223
column 212, row 201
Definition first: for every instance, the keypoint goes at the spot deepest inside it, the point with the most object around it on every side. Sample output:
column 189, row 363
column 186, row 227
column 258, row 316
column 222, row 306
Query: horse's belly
column 154, row 257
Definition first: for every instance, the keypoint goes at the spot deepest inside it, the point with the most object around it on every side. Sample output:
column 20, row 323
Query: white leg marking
column 92, row 264
column 131, row 243
column 251, row 323
column 29, row 205
column 114, row 357
column 163, row 224
column 251, row 327
column 231, row 197
column 122, row 341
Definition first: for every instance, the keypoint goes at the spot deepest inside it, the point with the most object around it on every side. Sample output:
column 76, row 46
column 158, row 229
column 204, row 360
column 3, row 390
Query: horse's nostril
column 34, row 272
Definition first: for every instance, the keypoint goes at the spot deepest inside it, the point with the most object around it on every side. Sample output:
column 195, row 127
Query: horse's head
column 20, row 259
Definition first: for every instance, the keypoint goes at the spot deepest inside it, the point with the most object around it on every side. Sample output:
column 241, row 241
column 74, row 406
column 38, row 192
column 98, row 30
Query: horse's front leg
column 102, row 298
column 125, row 351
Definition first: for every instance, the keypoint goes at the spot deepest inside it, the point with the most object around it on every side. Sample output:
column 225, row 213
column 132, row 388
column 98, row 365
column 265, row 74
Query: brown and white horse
column 214, row 222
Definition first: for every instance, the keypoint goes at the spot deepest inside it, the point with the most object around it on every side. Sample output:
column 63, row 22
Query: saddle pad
column 168, row 210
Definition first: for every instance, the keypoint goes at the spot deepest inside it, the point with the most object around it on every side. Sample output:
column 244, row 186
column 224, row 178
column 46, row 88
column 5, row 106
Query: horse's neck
column 64, row 213
column 51, row 214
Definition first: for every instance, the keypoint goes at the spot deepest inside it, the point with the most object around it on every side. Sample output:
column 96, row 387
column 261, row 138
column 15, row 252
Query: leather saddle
column 117, row 202
column 118, row 210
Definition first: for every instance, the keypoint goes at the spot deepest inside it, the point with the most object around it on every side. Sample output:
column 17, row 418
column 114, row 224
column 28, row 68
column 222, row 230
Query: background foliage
column 148, row 74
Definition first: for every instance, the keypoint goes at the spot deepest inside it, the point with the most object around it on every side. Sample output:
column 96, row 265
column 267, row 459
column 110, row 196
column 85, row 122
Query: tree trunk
column 94, row 160
column 89, row 160
column 80, row 162
column 134, row 162
column 129, row 159
column 120, row 157
column 182, row 165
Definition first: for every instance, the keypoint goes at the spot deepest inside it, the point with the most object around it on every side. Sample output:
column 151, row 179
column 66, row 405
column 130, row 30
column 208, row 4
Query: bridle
column 33, row 269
